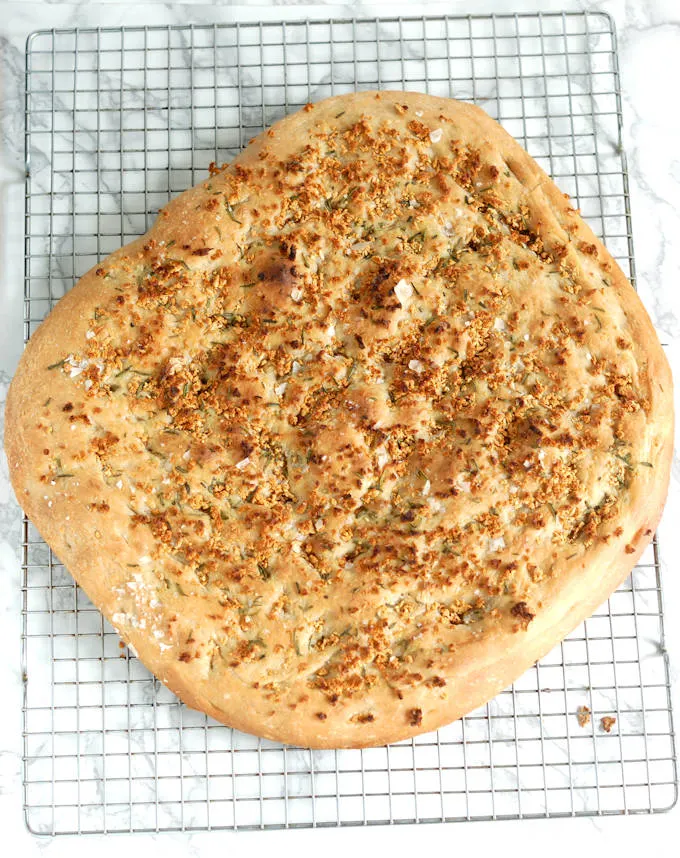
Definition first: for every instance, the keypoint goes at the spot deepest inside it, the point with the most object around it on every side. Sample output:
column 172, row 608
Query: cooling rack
column 117, row 121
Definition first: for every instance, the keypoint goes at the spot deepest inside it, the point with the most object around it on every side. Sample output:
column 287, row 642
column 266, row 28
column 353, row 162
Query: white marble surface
column 649, row 50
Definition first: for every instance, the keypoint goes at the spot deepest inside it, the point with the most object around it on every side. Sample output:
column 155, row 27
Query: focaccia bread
column 363, row 426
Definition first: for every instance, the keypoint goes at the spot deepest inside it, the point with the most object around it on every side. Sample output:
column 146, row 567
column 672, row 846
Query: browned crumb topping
column 365, row 718
column 607, row 723
column 415, row 717
column 356, row 381
column 583, row 716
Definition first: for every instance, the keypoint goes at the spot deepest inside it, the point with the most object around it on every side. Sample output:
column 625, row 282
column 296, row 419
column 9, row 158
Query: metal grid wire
column 116, row 122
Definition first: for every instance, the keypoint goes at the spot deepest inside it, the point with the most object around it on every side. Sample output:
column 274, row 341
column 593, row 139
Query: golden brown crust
column 363, row 426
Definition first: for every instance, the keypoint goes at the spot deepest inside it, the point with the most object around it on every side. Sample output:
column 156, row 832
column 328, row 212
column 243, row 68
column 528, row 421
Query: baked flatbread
column 363, row 426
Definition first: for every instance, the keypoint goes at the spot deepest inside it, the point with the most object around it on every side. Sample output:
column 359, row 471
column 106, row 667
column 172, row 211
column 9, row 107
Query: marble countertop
column 649, row 54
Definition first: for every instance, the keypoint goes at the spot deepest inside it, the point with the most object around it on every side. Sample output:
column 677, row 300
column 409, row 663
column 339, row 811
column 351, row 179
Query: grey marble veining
column 649, row 38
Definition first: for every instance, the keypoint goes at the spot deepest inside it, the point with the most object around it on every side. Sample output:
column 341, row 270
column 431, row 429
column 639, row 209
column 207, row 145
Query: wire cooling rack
column 116, row 122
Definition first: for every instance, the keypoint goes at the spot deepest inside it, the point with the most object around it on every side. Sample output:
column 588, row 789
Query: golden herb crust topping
column 350, row 418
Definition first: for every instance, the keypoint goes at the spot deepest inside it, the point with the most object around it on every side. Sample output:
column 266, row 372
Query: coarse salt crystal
column 144, row 560
column 526, row 338
column 465, row 485
column 280, row 389
column 296, row 294
column 77, row 368
column 89, row 335
column 119, row 484
column 527, row 463
column 296, row 366
column 419, row 112
column 435, row 505
column 243, row 463
column 497, row 544
column 382, row 457
column 427, row 487
column 499, row 324
column 415, row 365
column 403, row 290
column 296, row 547
column 436, row 135
column 88, row 384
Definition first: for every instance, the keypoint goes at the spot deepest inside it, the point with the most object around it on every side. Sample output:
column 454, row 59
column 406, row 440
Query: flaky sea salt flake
column 404, row 292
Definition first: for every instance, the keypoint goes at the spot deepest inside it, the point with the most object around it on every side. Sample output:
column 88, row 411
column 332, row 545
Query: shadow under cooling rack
column 117, row 121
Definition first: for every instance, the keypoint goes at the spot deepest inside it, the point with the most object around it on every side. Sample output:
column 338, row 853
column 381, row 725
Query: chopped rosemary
column 230, row 212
